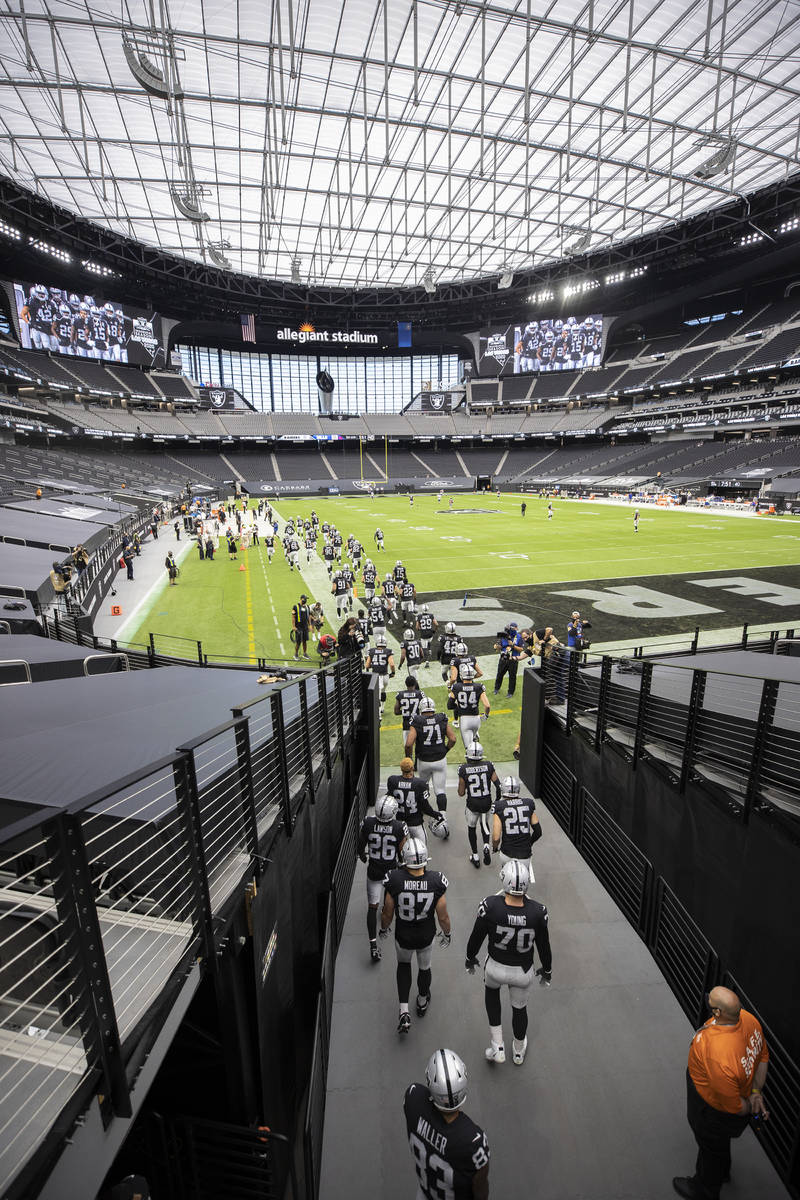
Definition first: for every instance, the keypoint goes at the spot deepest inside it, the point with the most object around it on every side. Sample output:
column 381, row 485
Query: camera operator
column 553, row 664
column 512, row 650
column 575, row 635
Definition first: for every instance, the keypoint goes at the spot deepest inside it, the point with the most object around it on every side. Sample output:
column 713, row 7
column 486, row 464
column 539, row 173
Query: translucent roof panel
column 383, row 142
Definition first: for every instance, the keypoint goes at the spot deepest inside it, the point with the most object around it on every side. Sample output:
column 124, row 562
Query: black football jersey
column 337, row 539
column 413, row 652
column 340, row 585
column 310, row 543
column 370, row 575
column 447, row 1154
column 448, row 648
column 478, row 782
column 270, row 540
column 348, row 577
column 431, row 743
column 467, row 696
column 42, row 313
column 425, row 623
column 576, row 342
column 388, row 587
column 64, row 330
column 515, row 817
column 99, row 331
column 382, row 841
column 415, row 899
column 407, row 591
column 412, row 796
column 399, row 574
column 512, row 932
column 408, row 701
column 379, row 659
column 81, row 328
column 328, row 551
column 379, row 534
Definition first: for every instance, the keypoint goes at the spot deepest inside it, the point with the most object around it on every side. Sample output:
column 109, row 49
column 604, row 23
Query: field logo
column 635, row 601
column 740, row 585
column 483, row 618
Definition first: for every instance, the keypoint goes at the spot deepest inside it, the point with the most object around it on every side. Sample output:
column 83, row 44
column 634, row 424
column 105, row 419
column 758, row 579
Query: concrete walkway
column 597, row 1111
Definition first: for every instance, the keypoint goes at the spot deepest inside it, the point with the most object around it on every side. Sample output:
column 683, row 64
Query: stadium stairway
column 597, row 1109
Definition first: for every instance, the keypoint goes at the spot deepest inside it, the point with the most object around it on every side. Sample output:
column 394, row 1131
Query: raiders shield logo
column 437, row 400
column 217, row 398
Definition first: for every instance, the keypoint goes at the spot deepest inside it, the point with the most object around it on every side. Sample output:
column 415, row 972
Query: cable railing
column 107, row 904
column 736, row 735
column 682, row 951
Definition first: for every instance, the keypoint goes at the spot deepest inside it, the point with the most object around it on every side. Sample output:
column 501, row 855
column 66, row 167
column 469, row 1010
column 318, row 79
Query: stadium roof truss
column 374, row 144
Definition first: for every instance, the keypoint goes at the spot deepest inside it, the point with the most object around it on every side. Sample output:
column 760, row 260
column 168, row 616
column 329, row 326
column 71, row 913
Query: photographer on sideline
column 512, row 650
column 575, row 628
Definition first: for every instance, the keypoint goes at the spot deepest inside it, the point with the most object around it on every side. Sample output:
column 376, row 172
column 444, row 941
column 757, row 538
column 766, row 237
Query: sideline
column 107, row 626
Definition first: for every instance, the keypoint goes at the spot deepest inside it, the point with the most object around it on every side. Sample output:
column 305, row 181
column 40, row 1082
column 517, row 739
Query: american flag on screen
column 248, row 327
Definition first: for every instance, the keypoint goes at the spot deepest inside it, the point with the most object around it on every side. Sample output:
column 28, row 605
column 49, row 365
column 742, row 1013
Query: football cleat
column 422, row 1004
column 495, row 1054
column 404, row 1024
column 487, row 854
column 519, row 1049
column 375, row 952
column 476, row 862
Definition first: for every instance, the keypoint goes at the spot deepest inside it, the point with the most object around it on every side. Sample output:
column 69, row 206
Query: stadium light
column 541, row 297
column 297, row 264
column 577, row 289
column 428, row 281
column 505, row 281
column 790, row 225
column 9, row 231
column 46, row 248
column 96, row 268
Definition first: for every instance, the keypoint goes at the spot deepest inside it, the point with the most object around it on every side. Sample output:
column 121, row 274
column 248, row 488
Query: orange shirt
column 723, row 1058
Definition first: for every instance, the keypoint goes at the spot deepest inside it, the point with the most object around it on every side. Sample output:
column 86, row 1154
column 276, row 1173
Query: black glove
column 470, row 964
column 363, row 856
column 544, row 977
column 383, row 933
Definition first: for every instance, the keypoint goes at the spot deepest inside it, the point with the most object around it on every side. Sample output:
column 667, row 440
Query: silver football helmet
column 415, row 852
column 474, row 752
column 515, row 877
column 466, row 672
column 408, row 635
column 510, row 786
column 446, row 1077
column 462, row 649
column 450, row 628
column 386, row 809
column 427, row 705
column 380, row 639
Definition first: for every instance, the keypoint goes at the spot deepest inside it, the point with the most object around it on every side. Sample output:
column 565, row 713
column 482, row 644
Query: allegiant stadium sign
column 327, row 335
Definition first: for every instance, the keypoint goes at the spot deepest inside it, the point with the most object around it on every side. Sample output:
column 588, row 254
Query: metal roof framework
column 379, row 144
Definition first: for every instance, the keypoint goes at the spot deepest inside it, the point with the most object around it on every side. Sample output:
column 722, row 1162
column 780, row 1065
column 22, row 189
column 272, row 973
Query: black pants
column 506, row 666
column 712, row 1131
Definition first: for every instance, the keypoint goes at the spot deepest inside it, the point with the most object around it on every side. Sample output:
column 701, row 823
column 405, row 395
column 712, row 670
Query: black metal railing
column 335, row 911
column 686, row 958
column 106, row 906
column 736, row 735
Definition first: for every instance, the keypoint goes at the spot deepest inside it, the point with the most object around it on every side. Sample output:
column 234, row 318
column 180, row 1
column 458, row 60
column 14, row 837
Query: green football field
column 482, row 564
